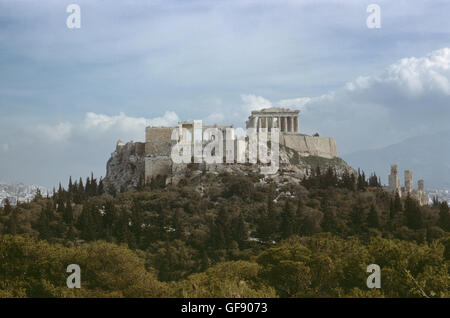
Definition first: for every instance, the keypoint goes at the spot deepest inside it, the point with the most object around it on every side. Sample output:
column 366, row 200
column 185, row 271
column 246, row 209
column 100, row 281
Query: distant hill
column 428, row 157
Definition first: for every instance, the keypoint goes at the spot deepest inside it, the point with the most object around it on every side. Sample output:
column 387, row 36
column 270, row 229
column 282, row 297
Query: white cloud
column 410, row 97
column 100, row 124
column 168, row 119
column 297, row 103
column 54, row 133
column 252, row 102
column 5, row 147
column 214, row 118
column 125, row 123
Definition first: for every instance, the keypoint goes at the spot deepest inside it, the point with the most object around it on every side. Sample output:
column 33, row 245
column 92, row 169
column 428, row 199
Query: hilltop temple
column 158, row 143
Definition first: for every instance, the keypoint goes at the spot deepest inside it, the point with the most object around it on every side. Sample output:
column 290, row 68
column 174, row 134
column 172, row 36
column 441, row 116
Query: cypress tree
column 373, row 218
column 68, row 213
column 287, row 226
column 444, row 216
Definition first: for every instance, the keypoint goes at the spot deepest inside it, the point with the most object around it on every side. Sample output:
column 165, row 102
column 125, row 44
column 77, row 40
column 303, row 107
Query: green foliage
column 226, row 236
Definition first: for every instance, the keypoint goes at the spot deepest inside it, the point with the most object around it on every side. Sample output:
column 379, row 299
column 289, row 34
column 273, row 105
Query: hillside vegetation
column 226, row 236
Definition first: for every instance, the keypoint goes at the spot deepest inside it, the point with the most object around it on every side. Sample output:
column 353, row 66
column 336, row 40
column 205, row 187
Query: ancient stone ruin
column 137, row 162
column 394, row 186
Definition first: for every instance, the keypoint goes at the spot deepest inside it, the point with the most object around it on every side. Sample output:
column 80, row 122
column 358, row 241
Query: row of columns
column 284, row 123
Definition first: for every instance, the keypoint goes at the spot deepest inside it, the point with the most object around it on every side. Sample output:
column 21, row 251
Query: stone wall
column 309, row 145
column 158, row 141
column 157, row 166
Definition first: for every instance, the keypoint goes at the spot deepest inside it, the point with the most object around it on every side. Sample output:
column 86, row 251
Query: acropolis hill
column 134, row 162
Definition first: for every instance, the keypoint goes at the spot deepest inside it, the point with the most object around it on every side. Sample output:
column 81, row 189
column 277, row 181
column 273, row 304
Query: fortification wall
column 157, row 166
column 157, row 141
column 310, row 146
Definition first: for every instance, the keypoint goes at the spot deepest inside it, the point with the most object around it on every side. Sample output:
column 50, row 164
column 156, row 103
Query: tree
column 240, row 230
column 68, row 213
column 7, row 207
column 38, row 195
column 43, row 225
column 357, row 218
column 373, row 219
column 444, row 216
column 361, row 181
column 100, row 188
column 329, row 221
column 287, row 226
column 12, row 224
column 413, row 213
column 267, row 224
column 374, row 181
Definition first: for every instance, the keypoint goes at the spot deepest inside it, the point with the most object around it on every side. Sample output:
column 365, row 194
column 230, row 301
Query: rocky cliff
column 125, row 168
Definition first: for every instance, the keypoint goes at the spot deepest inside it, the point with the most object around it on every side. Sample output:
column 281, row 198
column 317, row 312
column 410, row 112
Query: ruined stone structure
column 395, row 186
column 287, row 121
column 284, row 119
column 134, row 163
column 158, row 143
column 394, row 180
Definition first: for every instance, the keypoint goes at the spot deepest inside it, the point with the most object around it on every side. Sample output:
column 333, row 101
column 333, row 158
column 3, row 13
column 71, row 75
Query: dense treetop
column 226, row 236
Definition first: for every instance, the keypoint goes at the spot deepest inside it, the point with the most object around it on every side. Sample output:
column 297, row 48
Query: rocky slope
column 125, row 168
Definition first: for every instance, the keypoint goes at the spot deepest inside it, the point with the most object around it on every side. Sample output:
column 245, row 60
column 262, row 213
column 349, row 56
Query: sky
column 67, row 95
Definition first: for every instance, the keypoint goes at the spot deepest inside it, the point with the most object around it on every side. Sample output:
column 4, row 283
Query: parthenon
column 284, row 119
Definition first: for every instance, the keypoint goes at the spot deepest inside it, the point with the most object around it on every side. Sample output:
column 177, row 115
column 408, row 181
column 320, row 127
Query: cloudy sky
column 67, row 95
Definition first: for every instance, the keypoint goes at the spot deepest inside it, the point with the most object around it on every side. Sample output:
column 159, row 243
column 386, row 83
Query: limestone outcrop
column 125, row 168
